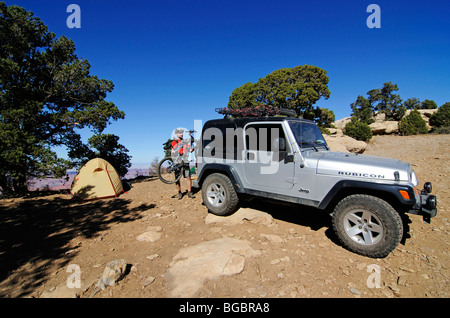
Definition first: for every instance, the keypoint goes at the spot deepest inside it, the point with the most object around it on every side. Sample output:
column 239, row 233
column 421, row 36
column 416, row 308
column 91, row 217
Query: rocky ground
column 174, row 248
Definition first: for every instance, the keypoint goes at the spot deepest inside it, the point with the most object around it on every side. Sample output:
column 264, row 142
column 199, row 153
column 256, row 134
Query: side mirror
column 289, row 158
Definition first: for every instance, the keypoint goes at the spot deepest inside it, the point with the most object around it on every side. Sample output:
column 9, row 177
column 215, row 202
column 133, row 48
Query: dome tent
column 96, row 179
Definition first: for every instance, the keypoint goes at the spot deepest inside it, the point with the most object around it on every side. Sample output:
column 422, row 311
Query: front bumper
column 426, row 204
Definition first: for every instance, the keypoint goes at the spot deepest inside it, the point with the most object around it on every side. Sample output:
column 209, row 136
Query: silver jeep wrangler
column 287, row 159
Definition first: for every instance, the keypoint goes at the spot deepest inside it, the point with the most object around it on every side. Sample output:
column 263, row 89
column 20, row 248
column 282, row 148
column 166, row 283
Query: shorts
column 186, row 171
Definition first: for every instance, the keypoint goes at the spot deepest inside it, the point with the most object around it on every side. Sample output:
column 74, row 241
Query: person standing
column 183, row 149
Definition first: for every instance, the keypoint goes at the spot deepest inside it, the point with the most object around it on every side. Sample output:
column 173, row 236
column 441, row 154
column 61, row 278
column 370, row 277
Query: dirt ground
column 45, row 239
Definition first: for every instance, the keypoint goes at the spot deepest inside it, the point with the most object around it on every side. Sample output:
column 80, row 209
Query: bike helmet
column 179, row 130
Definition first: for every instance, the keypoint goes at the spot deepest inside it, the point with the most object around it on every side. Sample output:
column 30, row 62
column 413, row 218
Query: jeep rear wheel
column 367, row 225
column 219, row 195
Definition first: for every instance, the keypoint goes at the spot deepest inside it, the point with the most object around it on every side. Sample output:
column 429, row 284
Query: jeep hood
column 349, row 165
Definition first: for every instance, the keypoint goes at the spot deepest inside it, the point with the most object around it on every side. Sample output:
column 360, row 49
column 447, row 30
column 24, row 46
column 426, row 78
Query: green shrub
column 358, row 130
column 412, row 124
column 441, row 118
column 442, row 130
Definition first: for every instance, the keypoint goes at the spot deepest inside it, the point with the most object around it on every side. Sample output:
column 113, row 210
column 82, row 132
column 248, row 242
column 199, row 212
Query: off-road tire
column 367, row 225
column 218, row 194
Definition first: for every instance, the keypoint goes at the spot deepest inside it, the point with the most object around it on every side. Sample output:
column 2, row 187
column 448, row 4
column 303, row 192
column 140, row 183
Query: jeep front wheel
column 219, row 195
column 367, row 225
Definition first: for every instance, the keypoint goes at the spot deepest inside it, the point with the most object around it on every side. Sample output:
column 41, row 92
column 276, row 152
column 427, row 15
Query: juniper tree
column 46, row 95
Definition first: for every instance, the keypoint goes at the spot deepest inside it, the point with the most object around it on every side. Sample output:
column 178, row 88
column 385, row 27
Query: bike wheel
column 169, row 172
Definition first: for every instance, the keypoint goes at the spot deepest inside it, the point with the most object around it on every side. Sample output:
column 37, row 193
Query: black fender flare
column 228, row 170
column 389, row 192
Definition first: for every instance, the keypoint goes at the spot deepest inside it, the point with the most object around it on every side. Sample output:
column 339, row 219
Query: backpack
column 167, row 145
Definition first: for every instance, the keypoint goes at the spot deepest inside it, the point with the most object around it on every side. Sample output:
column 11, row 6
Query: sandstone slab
column 192, row 265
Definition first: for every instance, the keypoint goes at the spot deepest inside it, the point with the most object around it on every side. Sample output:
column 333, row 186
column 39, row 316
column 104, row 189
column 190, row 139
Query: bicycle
column 170, row 169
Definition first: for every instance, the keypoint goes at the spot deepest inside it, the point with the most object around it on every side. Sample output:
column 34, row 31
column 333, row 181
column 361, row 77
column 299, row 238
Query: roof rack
column 257, row 111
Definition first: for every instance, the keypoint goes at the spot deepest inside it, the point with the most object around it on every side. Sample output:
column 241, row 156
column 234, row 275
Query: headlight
column 414, row 180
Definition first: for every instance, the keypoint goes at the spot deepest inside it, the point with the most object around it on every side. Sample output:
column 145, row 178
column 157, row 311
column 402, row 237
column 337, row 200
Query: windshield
column 307, row 135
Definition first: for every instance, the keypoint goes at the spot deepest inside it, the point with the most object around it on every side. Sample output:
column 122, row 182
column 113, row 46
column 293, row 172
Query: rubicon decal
column 361, row 174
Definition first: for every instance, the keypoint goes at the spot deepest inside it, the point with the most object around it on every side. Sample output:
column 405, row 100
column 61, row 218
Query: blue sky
column 173, row 62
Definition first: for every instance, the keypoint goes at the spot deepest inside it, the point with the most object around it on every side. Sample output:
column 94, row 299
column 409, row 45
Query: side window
column 265, row 137
column 221, row 141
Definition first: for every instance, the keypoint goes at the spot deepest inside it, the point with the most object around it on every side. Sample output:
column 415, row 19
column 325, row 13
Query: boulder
column 340, row 124
column 380, row 117
column 386, row 127
column 192, row 265
column 391, row 127
column 151, row 235
column 345, row 143
column 240, row 216
column 113, row 272
column 335, row 145
column 335, row 131
column 377, row 128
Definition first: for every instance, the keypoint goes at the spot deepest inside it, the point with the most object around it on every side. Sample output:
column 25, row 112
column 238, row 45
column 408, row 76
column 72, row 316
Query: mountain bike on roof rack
column 170, row 169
